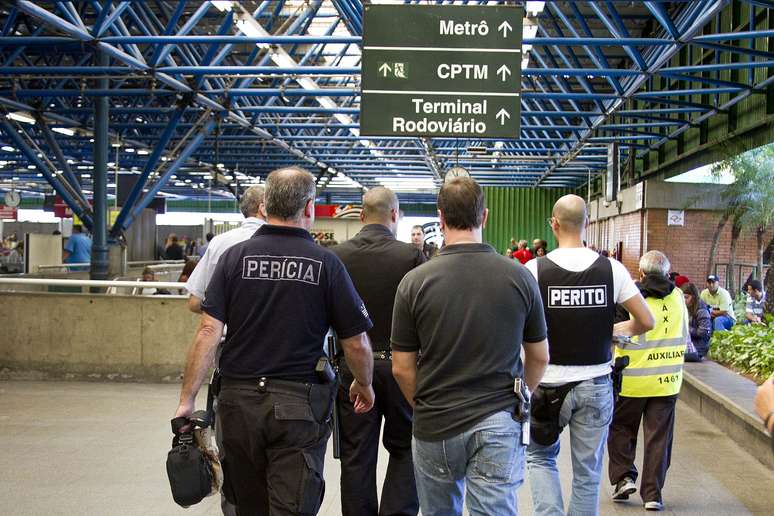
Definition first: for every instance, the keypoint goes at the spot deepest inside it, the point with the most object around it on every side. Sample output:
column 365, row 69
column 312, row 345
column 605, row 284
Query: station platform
column 99, row 448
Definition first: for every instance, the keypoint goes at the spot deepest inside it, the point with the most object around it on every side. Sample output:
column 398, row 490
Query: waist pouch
column 544, row 414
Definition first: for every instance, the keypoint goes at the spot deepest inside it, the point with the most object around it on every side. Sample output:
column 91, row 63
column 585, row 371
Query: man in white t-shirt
column 250, row 206
column 580, row 290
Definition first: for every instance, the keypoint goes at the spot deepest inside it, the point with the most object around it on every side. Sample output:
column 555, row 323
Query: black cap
column 756, row 285
column 712, row 278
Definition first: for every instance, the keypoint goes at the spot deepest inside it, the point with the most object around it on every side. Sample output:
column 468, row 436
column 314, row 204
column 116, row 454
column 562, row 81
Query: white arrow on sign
column 503, row 71
column 385, row 69
column 502, row 115
column 504, row 27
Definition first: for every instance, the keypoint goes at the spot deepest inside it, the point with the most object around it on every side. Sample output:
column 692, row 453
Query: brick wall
column 687, row 247
column 607, row 233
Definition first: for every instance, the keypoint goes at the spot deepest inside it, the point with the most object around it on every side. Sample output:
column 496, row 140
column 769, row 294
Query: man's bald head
column 379, row 204
column 570, row 213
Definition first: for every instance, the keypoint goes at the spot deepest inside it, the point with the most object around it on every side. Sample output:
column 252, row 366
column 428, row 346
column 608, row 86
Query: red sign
column 6, row 212
column 61, row 209
column 335, row 211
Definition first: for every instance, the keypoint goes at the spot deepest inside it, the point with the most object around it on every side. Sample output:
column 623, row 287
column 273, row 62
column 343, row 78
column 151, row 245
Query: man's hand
column 362, row 396
column 185, row 410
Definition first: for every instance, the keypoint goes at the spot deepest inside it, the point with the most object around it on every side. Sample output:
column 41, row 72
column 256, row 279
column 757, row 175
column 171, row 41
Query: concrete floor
column 99, row 449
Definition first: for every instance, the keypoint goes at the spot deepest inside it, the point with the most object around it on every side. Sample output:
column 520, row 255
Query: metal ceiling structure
column 200, row 98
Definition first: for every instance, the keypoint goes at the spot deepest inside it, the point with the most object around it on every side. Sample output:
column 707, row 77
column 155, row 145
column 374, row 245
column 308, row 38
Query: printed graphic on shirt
column 281, row 268
column 587, row 296
column 363, row 310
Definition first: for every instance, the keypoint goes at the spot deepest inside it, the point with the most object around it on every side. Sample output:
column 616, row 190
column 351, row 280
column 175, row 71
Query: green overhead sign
column 441, row 71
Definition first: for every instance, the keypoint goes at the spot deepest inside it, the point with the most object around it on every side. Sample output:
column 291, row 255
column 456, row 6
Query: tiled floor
column 99, row 449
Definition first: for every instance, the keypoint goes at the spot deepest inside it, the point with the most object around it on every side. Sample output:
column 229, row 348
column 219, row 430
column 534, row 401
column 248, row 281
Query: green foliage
column 751, row 196
column 740, row 306
column 748, row 348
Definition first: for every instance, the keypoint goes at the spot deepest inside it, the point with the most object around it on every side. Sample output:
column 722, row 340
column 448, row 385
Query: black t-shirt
column 174, row 252
column 468, row 311
column 279, row 292
column 377, row 262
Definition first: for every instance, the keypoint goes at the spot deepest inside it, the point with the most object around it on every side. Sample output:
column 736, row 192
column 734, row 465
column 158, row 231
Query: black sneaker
column 624, row 489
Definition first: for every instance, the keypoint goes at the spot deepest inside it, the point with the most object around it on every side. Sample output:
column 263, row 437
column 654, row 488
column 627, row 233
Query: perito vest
column 579, row 309
column 656, row 358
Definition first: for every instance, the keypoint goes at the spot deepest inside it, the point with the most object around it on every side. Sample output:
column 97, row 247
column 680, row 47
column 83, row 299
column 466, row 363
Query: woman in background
column 700, row 323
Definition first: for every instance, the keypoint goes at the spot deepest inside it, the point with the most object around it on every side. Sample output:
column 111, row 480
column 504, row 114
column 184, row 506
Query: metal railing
column 741, row 271
column 153, row 264
column 111, row 286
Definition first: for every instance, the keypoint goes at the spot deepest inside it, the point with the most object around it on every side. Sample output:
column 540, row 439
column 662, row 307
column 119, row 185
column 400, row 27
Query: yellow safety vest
column 656, row 358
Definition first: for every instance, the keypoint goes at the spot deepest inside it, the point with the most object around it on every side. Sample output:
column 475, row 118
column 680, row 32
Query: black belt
column 264, row 384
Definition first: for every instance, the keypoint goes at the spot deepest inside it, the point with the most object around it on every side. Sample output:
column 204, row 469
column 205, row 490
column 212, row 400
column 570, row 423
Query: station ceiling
column 241, row 88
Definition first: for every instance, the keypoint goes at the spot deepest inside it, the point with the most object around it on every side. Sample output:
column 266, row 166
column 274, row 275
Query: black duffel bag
column 189, row 468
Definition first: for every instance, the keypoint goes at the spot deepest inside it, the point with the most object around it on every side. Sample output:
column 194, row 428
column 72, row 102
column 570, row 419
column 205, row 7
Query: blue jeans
column 487, row 459
column 588, row 410
column 722, row 322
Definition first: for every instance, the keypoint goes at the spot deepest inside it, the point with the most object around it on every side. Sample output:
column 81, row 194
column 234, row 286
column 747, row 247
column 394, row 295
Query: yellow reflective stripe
column 657, row 343
column 653, row 371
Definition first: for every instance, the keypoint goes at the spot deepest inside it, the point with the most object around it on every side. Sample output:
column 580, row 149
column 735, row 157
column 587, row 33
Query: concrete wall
column 83, row 336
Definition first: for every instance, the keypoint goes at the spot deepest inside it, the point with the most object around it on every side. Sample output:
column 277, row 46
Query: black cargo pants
column 274, row 436
column 360, row 447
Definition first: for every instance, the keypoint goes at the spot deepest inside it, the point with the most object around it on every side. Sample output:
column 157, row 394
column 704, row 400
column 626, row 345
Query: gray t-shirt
column 756, row 307
column 468, row 312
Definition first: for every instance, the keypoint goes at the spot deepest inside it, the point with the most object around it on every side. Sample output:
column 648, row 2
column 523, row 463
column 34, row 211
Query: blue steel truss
column 208, row 97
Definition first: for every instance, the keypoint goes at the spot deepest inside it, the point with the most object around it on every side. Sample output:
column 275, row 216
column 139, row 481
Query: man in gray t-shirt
column 469, row 312
column 756, row 303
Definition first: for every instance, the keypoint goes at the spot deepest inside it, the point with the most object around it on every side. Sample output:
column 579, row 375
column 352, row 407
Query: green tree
column 750, row 202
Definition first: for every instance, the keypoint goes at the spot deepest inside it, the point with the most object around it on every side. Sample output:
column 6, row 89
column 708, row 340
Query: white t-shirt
column 579, row 259
column 200, row 277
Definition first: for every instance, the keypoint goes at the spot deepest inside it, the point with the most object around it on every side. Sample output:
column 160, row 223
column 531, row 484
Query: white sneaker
column 654, row 506
column 623, row 489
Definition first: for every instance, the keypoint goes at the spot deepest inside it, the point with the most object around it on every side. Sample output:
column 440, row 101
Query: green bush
column 748, row 348
column 740, row 306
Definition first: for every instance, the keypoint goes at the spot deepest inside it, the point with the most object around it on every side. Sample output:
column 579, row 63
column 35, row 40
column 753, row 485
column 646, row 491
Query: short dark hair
column 287, row 192
column 77, row 228
column 209, row 236
column 756, row 285
column 462, row 203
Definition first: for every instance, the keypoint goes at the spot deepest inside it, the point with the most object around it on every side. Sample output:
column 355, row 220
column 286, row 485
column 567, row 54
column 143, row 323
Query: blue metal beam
column 32, row 156
column 150, row 165
column 181, row 159
column 60, row 157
